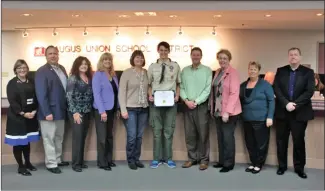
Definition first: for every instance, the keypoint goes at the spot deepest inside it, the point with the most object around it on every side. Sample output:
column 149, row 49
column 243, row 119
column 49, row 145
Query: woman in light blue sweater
column 257, row 99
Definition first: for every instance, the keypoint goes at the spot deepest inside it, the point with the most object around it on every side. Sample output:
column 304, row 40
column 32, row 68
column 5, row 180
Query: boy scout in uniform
column 163, row 75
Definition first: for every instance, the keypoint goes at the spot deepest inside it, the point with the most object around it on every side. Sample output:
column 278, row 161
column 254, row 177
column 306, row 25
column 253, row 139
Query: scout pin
column 171, row 68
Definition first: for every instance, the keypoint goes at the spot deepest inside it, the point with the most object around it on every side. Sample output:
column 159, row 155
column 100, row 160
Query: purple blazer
column 103, row 92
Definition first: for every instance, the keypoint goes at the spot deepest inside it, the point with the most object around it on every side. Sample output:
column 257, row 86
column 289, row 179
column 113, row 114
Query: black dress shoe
column 217, row 165
column 108, row 168
column 226, row 169
column 254, row 171
column 84, row 166
column 133, row 166
column 249, row 169
column 111, row 164
column 301, row 174
column 55, row 170
column 280, row 171
column 63, row 163
column 24, row 172
column 139, row 164
column 77, row 169
column 30, row 167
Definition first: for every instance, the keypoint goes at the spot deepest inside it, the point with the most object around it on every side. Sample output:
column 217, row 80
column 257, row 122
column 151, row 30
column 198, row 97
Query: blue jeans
column 135, row 124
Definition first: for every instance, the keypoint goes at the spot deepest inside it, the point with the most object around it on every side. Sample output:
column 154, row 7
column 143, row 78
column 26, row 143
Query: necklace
column 25, row 81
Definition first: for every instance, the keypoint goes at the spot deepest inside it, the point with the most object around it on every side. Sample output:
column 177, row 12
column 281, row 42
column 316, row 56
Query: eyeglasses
column 22, row 68
column 222, row 58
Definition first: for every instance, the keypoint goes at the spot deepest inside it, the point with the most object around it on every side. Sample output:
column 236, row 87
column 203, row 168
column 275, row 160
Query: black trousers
column 257, row 137
column 79, row 134
column 297, row 129
column 196, row 123
column 104, row 132
column 226, row 141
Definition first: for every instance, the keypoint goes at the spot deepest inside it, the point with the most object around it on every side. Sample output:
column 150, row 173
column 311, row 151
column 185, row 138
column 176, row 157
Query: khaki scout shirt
column 171, row 79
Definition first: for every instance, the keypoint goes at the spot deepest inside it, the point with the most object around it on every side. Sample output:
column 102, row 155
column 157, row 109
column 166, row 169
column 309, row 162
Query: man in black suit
column 293, row 86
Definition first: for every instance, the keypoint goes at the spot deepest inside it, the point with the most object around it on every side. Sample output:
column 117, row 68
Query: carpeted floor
column 163, row 178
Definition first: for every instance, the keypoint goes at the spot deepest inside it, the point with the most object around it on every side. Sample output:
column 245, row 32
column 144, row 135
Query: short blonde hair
column 100, row 65
column 256, row 64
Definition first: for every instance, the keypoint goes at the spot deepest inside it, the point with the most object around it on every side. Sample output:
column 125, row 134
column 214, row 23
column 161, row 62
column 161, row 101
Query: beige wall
column 314, row 144
column 269, row 47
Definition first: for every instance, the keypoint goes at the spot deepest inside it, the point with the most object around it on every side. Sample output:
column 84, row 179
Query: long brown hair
column 320, row 85
column 76, row 65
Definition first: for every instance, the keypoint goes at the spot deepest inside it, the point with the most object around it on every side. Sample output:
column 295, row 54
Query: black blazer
column 303, row 91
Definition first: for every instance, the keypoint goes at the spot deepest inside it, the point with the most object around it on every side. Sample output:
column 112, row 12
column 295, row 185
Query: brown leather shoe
column 188, row 164
column 203, row 166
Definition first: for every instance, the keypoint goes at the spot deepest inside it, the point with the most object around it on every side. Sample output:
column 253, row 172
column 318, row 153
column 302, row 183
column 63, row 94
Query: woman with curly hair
column 80, row 100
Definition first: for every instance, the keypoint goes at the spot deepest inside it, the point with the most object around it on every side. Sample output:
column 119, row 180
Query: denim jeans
column 135, row 124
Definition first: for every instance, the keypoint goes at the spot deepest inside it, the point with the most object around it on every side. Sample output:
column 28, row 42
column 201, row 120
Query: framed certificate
column 164, row 98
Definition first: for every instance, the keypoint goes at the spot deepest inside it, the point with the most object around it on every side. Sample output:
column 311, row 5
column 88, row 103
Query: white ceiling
column 234, row 15
column 159, row 5
column 290, row 19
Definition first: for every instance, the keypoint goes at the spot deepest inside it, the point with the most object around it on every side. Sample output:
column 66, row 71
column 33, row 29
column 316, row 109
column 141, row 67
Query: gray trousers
column 79, row 134
column 52, row 134
column 196, row 123
column 226, row 141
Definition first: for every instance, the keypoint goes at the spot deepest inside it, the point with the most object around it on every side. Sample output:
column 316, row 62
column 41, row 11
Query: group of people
column 54, row 95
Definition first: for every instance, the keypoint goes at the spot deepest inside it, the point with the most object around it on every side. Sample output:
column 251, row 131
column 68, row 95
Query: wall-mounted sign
column 40, row 50
column 4, row 74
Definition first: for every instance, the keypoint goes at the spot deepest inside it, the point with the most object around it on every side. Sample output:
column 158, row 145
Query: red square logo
column 39, row 51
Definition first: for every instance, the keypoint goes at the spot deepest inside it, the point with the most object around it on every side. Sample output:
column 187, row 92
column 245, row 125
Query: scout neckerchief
column 163, row 66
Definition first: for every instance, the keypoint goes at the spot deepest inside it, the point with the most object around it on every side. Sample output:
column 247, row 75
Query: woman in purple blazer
column 105, row 90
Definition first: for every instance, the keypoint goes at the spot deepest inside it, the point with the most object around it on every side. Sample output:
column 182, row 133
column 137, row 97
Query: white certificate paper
column 164, row 98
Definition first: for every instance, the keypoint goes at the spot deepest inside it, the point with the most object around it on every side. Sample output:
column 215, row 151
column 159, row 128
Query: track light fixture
column 85, row 33
column 25, row 33
column 214, row 31
column 180, row 32
column 147, row 31
column 117, row 32
column 55, row 33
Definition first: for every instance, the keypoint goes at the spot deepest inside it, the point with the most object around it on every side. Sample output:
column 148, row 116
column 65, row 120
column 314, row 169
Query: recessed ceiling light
column 27, row 15
column 153, row 14
column 320, row 14
column 268, row 15
column 76, row 15
column 124, row 16
column 172, row 16
column 217, row 16
column 139, row 13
